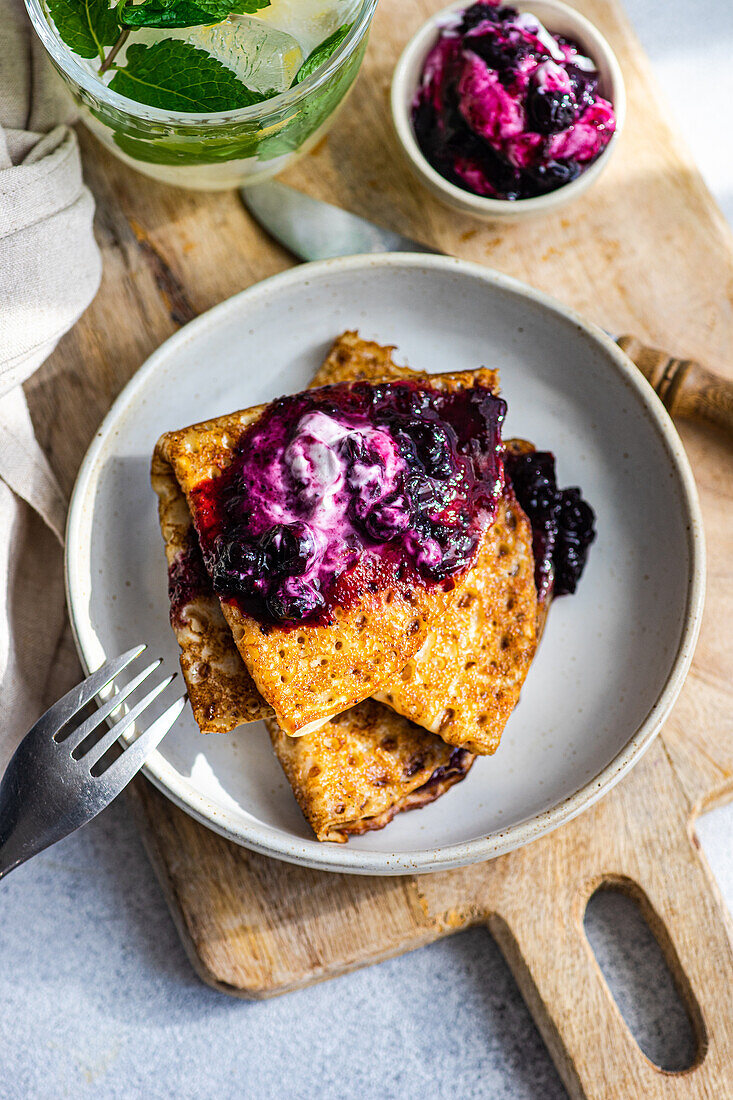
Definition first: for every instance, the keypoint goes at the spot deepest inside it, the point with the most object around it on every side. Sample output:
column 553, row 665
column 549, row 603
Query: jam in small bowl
column 506, row 110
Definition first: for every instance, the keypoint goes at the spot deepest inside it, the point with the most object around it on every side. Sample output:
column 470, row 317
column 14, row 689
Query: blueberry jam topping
column 458, row 764
column 187, row 578
column 351, row 488
column 507, row 110
column 562, row 522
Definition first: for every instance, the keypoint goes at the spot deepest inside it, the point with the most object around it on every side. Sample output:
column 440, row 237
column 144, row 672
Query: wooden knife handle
column 686, row 388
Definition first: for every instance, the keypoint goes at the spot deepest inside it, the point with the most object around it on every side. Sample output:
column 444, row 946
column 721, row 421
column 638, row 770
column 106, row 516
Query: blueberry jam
column 187, row 578
column 507, row 110
column 562, row 522
column 347, row 489
column 458, row 764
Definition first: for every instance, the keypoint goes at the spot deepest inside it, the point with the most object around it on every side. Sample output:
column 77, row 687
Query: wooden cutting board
column 648, row 252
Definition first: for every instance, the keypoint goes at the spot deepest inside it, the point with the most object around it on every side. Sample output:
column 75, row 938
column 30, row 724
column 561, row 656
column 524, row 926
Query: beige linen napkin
column 50, row 269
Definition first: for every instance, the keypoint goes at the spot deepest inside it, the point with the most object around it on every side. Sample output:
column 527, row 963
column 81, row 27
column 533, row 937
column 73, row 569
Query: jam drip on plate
column 347, row 489
column 507, row 110
column 562, row 522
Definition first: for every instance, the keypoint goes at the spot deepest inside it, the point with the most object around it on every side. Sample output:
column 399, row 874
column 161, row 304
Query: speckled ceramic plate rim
column 331, row 857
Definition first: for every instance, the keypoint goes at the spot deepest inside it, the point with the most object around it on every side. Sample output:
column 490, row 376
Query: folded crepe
column 306, row 675
column 365, row 766
column 351, row 776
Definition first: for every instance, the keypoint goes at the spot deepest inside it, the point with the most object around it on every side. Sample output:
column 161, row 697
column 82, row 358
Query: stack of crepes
column 384, row 708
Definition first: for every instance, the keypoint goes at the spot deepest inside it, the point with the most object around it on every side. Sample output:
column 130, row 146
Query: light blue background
column 98, row 999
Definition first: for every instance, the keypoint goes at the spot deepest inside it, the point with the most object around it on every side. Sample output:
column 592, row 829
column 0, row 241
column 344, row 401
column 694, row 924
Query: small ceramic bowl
column 559, row 19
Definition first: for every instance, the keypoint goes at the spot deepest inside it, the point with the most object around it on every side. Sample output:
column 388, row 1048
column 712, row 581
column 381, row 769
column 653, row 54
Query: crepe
column 304, row 675
column 364, row 767
column 371, row 763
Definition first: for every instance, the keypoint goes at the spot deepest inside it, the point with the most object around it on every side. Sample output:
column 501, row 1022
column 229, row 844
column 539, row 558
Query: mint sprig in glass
column 206, row 93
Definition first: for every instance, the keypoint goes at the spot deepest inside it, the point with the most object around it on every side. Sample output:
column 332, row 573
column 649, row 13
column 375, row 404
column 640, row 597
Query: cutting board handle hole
column 643, row 973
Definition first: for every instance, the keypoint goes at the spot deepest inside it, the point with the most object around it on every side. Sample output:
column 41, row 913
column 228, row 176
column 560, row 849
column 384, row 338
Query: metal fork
column 59, row 777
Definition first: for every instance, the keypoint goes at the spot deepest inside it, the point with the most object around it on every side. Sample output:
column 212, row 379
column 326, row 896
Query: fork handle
column 16, row 846
column 9, row 859
column 11, row 852
column 686, row 388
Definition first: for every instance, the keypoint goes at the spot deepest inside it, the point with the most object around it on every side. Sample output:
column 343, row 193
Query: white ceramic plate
column 613, row 657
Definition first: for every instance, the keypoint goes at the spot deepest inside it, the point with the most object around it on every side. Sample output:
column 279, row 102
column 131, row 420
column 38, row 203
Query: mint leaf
column 183, row 13
column 322, row 53
column 176, row 76
column 162, row 13
column 237, row 7
column 86, row 26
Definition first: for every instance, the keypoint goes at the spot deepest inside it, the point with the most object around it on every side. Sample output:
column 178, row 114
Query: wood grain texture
column 645, row 251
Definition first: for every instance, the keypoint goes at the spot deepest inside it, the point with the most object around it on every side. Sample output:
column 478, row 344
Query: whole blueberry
column 549, row 112
column 458, row 545
column 498, row 52
column 293, row 600
column 575, row 533
column 478, row 13
column 554, row 174
column 288, row 548
column 389, row 517
column 433, row 448
column 425, row 495
column 353, row 448
column 237, row 567
column 584, row 85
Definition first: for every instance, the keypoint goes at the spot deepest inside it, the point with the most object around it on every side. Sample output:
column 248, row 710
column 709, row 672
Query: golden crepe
column 363, row 767
column 308, row 674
